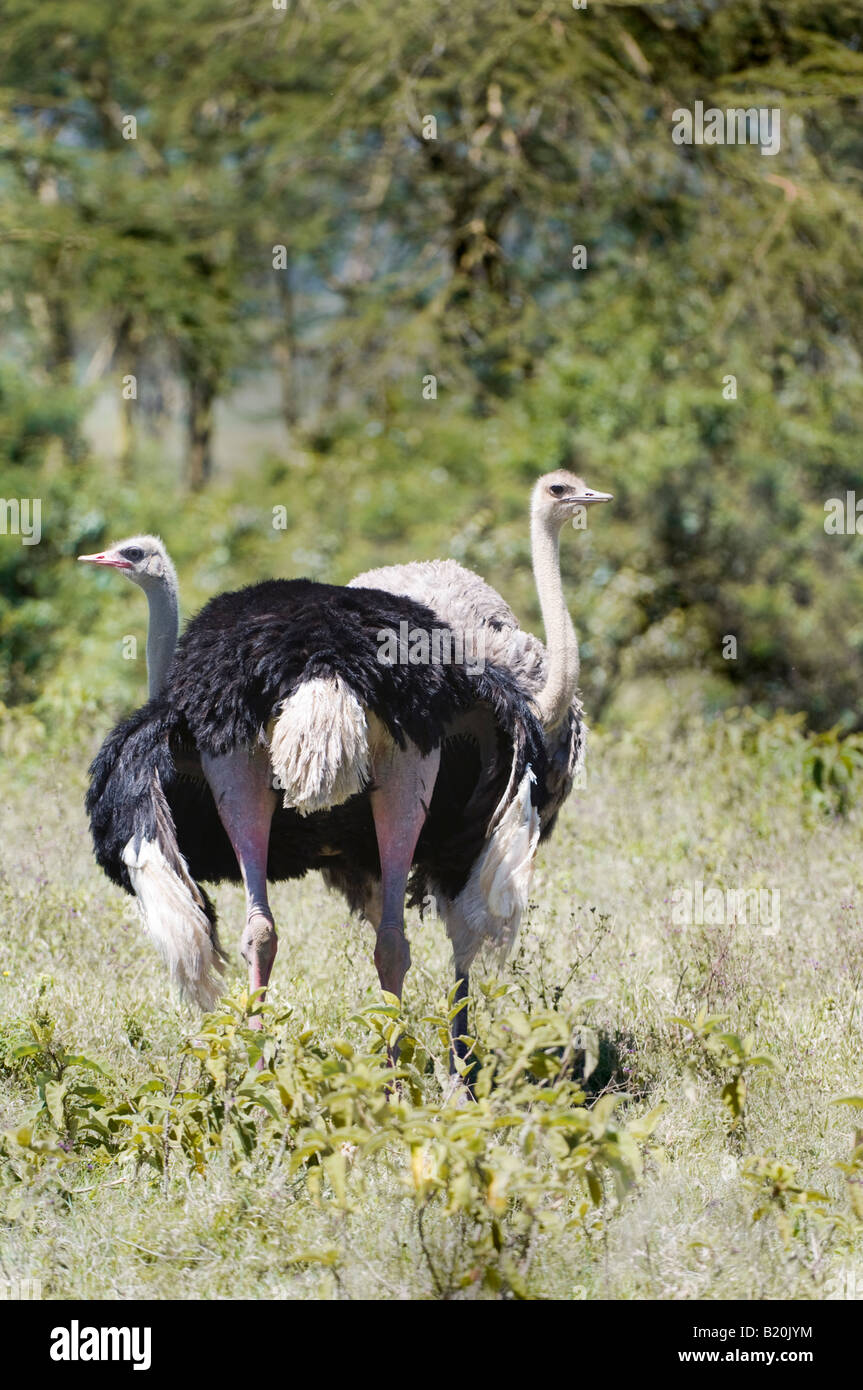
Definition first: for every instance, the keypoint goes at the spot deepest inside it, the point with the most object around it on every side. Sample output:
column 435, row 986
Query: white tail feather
column 490, row 907
column 507, row 862
column 320, row 746
column 174, row 916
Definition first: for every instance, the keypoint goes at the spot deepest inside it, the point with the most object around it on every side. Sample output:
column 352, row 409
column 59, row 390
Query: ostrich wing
column 247, row 652
column 467, row 603
column 135, row 840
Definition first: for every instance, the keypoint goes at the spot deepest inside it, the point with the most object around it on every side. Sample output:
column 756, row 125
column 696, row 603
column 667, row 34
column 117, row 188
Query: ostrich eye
column 133, row 553
column 558, row 489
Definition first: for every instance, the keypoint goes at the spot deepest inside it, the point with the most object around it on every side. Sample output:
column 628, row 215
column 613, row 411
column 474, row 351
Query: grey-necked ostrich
column 549, row 675
column 382, row 767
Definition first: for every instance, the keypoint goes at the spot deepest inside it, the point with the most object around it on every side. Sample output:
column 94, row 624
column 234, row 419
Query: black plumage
column 265, row 639
column 243, row 655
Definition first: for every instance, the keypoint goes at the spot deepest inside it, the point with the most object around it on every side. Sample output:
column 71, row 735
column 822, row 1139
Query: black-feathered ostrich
column 465, row 602
column 381, row 767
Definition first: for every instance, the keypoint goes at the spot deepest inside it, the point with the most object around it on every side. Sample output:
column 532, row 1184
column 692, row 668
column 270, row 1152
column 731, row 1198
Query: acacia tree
column 128, row 196
column 429, row 171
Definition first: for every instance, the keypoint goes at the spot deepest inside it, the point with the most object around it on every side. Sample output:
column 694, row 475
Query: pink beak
column 106, row 558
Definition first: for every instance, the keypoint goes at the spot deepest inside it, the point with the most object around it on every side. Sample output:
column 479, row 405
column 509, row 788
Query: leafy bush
column 724, row 1055
column 526, row 1159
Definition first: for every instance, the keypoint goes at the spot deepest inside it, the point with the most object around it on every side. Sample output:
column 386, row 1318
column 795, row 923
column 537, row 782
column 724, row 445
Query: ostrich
column 464, row 601
column 383, row 767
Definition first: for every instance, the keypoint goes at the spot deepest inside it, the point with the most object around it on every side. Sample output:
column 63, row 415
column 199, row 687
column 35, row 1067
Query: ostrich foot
column 392, row 958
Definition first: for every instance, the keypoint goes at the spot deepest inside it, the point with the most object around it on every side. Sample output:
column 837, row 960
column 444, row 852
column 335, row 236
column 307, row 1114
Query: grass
column 736, row 1193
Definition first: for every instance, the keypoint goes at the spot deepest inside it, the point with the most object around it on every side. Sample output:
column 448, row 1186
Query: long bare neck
column 556, row 695
column 164, row 625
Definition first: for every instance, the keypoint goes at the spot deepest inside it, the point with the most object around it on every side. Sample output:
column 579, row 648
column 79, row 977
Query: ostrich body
column 381, row 769
column 549, row 676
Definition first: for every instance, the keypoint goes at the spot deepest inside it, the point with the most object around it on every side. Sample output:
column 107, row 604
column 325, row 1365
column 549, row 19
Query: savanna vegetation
column 665, row 1110
column 357, row 226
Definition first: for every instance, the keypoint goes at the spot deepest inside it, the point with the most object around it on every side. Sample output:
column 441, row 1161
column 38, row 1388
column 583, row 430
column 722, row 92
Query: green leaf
column 733, row 1095
column 78, row 1059
column 54, row 1093
column 335, row 1168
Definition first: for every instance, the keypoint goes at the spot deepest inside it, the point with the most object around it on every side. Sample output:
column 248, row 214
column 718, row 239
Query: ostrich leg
column 242, row 788
column 403, row 785
column 464, row 949
column 458, row 1028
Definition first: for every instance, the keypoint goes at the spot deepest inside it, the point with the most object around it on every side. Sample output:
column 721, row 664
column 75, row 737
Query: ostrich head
column 143, row 559
column 557, row 495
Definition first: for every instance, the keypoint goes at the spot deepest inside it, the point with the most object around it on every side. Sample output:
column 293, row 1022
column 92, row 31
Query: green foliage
column 778, row 1195
column 833, row 766
column 407, row 256
column 725, row 1056
column 824, row 769
column 129, row 1212
column 853, row 1168
column 64, row 1097
column 527, row 1158
column 32, row 1170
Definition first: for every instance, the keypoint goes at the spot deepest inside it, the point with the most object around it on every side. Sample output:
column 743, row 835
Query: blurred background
column 317, row 209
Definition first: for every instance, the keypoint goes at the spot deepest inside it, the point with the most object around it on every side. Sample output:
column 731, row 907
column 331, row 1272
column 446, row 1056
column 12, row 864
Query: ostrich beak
column 588, row 495
column 106, row 558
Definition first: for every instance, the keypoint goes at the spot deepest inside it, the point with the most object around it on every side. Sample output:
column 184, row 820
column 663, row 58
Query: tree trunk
column 61, row 349
column 286, row 350
column 126, row 359
column 202, row 396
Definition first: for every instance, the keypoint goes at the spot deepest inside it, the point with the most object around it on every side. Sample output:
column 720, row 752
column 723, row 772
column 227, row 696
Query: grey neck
column 556, row 695
column 162, row 631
